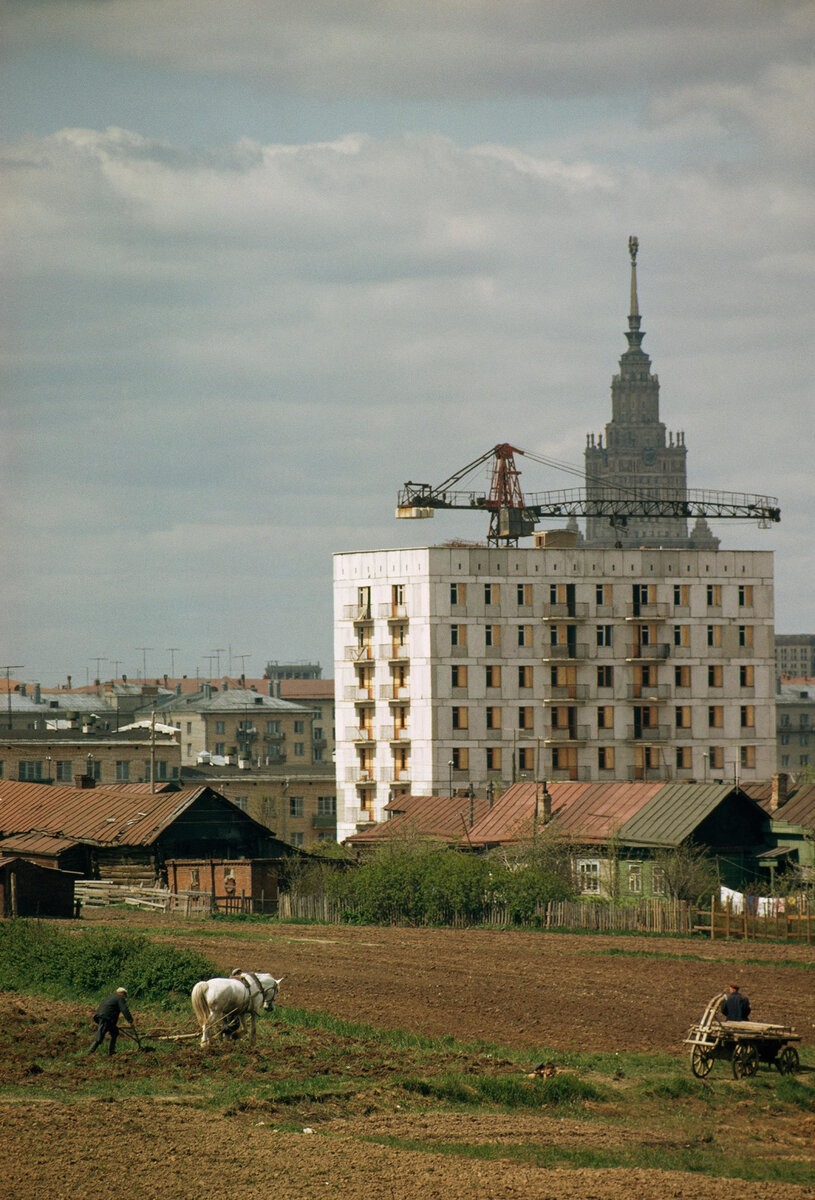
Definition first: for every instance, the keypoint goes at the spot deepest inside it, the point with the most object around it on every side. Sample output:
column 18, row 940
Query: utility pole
column 8, row 668
column 153, row 752
column 171, row 650
column 144, row 650
column 218, row 651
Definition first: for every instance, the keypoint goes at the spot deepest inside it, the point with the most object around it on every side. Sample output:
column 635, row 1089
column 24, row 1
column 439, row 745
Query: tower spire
column 634, row 334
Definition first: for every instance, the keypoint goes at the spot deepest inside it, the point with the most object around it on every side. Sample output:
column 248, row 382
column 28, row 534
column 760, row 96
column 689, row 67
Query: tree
column 688, row 871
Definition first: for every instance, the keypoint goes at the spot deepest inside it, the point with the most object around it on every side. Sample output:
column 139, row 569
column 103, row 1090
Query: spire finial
column 633, row 247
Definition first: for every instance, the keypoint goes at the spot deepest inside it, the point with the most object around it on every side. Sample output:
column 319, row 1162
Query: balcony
column 393, row 651
column 566, row 612
column 605, row 733
column 357, row 653
column 324, row 821
column 572, row 652
column 360, row 775
column 359, row 613
column 393, row 612
column 359, row 733
column 646, row 612
column 274, row 737
column 565, row 774
column 358, row 694
column 652, row 653
column 650, row 733
column 654, row 693
column 394, row 733
column 573, row 733
column 647, row 774
column 568, row 691
column 395, row 775
column 394, row 695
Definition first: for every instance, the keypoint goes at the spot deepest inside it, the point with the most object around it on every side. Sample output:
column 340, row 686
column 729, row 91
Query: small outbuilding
column 30, row 890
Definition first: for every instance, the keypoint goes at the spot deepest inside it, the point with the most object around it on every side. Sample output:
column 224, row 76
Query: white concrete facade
column 584, row 663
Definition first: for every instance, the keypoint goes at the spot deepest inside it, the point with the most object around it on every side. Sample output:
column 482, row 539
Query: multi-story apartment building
column 795, row 655
column 71, row 757
column 459, row 665
column 795, row 714
column 241, row 725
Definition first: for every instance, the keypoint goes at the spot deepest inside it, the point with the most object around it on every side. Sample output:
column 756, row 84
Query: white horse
column 219, row 1003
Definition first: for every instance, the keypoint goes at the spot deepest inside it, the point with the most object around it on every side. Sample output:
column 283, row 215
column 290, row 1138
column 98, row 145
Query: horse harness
column 245, row 977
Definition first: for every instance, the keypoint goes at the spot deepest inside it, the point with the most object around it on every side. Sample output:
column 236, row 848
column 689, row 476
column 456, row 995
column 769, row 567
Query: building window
column 714, row 635
column 327, row 806
column 524, row 677
column 297, row 839
column 122, row 770
column 493, row 758
column 461, row 758
column 785, row 739
column 220, row 749
column 715, row 676
column 682, row 716
column 299, row 727
column 526, row 717
column 195, row 878
column 458, row 677
column 682, row 594
column 602, row 593
column 493, row 715
column 785, row 719
column 681, row 635
column 242, row 802
column 525, row 594
column 714, row 595
column 635, row 878
column 317, row 754
column 296, row 806
column 605, row 758
column 526, row 758
column 524, row 635
column 65, row 771
column 299, row 749
column 189, row 726
column 397, row 595
column 458, row 635
column 745, row 595
column 747, row 756
column 785, row 760
column 747, row 716
column 460, row 718
column 715, row 755
column 683, row 758
column 458, row 593
column 30, row 770
column 491, row 593
column 605, row 677
column 715, row 716
column 492, row 635
column 161, row 768
column 588, row 875
column 605, row 717
column 604, row 635
column 220, row 727
column 745, row 635
column 658, row 881
column 273, row 727
column 492, row 677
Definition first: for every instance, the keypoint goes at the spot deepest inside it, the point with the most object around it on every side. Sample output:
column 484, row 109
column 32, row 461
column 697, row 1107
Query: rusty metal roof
column 591, row 812
column 36, row 843
column 107, row 816
column 798, row 809
column 444, row 818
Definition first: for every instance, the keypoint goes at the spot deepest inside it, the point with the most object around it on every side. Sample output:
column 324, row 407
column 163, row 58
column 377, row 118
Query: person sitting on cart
column 735, row 1006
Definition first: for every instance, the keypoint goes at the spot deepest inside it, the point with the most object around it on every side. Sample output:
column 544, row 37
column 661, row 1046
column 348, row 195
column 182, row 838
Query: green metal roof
column 673, row 813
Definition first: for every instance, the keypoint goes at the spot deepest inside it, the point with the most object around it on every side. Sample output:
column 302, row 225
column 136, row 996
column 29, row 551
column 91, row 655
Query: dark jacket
column 735, row 1007
column 110, row 1008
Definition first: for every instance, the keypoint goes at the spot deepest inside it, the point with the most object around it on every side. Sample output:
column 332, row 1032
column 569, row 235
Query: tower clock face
column 649, row 457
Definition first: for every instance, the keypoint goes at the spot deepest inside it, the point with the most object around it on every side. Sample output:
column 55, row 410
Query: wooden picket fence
column 790, row 920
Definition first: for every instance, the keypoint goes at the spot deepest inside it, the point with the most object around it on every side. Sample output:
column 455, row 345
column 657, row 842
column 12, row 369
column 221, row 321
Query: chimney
column 69, row 683
column 124, row 678
column 778, row 796
column 165, row 678
column 178, row 689
column 85, row 781
column 226, row 685
column 37, row 694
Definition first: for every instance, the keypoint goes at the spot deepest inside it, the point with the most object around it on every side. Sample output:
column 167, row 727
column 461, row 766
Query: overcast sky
column 264, row 261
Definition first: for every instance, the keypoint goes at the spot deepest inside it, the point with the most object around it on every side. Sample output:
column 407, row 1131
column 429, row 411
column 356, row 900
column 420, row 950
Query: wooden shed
column 29, row 890
column 235, row 884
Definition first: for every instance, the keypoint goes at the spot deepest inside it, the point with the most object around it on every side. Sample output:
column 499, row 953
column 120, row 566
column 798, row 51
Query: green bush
column 523, row 887
column 39, row 958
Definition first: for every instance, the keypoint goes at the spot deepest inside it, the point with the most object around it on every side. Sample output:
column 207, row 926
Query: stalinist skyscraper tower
column 637, row 456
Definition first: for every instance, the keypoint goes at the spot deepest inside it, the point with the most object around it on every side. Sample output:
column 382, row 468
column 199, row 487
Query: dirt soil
column 526, row 990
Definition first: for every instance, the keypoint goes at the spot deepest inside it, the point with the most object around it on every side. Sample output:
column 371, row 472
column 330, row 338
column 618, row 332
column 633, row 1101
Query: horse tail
column 200, row 1005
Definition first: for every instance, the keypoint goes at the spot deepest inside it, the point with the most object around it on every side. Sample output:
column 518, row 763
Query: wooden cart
column 744, row 1044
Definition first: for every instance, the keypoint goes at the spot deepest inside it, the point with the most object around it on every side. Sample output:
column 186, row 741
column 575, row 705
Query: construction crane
column 512, row 515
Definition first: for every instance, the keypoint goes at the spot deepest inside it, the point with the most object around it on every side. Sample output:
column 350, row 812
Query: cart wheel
column 788, row 1061
column 745, row 1060
column 701, row 1061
